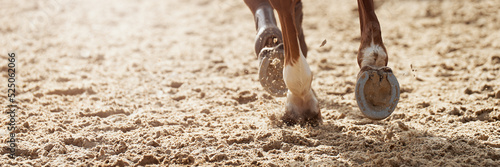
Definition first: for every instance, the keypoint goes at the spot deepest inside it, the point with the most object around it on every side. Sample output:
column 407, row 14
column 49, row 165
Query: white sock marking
column 298, row 78
column 369, row 57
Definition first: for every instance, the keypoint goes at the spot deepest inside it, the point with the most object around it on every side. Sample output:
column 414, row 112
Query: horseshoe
column 378, row 100
column 271, row 70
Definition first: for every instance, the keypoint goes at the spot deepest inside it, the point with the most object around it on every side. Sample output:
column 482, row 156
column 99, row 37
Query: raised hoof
column 271, row 70
column 377, row 92
column 267, row 37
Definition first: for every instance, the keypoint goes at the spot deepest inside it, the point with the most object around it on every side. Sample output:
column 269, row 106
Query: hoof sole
column 377, row 93
column 271, row 70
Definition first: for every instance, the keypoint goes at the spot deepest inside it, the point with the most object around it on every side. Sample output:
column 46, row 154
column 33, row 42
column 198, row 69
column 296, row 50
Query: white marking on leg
column 298, row 78
column 369, row 55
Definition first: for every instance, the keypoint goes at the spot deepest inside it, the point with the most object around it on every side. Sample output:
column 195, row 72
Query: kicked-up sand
column 138, row 83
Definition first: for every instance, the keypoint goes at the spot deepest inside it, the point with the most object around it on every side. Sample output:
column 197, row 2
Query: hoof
column 271, row 70
column 267, row 37
column 302, row 110
column 313, row 120
column 377, row 92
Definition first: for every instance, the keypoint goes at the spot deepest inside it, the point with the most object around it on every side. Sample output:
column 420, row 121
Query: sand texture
column 175, row 82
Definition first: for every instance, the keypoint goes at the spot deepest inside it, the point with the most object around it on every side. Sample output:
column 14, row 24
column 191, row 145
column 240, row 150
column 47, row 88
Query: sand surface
column 175, row 82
